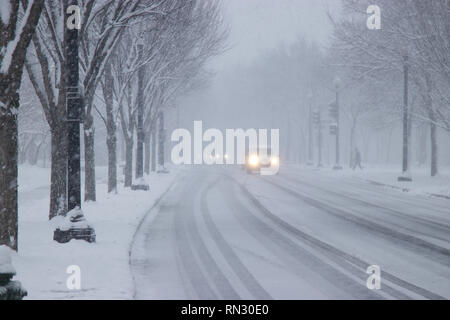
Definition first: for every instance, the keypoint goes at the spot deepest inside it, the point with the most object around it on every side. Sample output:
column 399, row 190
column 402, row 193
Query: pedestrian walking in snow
column 357, row 160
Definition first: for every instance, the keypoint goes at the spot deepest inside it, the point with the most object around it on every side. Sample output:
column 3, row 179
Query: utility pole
column 74, row 113
column 317, row 120
column 406, row 177
column 79, row 228
column 310, row 134
column 319, row 132
column 337, row 85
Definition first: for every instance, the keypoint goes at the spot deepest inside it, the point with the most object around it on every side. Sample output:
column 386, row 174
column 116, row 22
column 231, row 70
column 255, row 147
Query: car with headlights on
column 263, row 158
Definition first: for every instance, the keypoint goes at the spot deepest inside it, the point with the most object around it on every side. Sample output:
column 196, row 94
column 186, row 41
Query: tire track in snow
column 295, row 256
column 336, row 254
column 441, row 254
column 442, row 227
column 186, row 224
column 422, row 202
column 232, row 258
column 192, row 269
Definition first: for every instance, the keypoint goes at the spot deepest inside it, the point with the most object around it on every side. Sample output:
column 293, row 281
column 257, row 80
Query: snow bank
column 423, row 183
column 42, row 263
column 386, row 177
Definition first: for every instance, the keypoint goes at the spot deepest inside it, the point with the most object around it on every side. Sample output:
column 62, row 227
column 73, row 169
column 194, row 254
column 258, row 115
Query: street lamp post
column 317, row 120
column 405, row 177
column 319, row 133
column 74, row 113
column 310, row 134
column 337, row 85
column 78, row 227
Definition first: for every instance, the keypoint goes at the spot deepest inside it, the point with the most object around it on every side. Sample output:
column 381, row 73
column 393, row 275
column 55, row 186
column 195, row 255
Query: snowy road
column 222, row 234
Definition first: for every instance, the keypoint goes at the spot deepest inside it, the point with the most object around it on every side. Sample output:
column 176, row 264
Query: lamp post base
column 75, row 227
column 162, row 170
column 140, row 185
column 405, row 177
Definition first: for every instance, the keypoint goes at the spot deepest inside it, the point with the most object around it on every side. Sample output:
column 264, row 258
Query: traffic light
column 334, row 110
column 316, row 117
column 333, row 128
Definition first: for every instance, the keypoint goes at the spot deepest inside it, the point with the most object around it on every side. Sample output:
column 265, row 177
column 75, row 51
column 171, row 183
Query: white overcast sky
column 258, row 25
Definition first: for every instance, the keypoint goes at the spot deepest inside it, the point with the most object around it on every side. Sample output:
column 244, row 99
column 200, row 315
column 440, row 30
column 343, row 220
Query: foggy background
column 263, row 81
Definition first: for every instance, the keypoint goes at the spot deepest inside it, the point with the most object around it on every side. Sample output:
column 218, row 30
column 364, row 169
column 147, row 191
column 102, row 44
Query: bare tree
column 102, row 25
column 16, row 30
column 412, row 28
column 174, row 49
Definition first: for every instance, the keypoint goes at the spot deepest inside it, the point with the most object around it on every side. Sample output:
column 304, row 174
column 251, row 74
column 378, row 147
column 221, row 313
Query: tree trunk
column 122, row 148
column 35, row 157
column 367, row 138
column 89, row 159
column 111, row 134
column 288, row 139
column 8, row 173
column 10, row 81
column 434, row 144
column 410, row 135
column 433, row 127
column 25, row 149
column 147, row 153
column 111, row 142
column 58, row 187
column 422, row 145
column 128, row 171
column 388, row 154
column 352, row 142
column 153, row 151
column 161, row 140
column 140, row 119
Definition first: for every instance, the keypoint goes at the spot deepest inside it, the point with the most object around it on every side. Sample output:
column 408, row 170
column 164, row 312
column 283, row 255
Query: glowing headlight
column 274, row 161
column 253, row 160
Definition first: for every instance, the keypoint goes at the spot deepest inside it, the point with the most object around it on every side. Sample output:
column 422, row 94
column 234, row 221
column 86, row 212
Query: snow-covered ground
column 386, row 176
column 219, row 233
column 41, row 263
